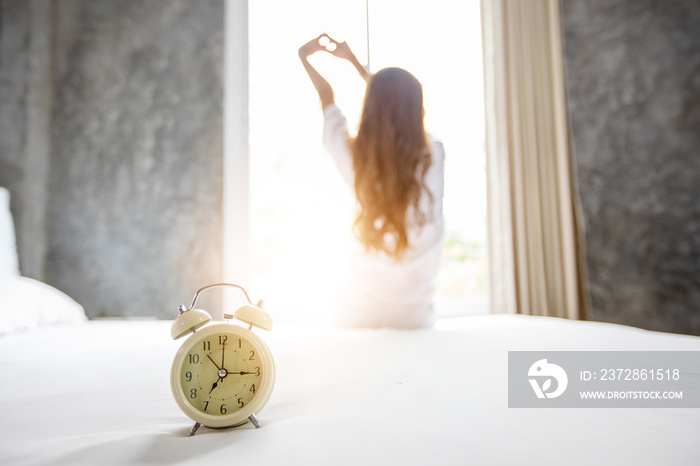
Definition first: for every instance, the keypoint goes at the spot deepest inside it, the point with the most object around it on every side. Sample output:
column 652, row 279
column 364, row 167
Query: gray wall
column 633, row 71
column 111, row 145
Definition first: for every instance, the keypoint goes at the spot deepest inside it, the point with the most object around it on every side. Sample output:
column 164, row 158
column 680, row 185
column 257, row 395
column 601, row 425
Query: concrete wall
column 633, row 71
column 25, row 109
column 112, row 126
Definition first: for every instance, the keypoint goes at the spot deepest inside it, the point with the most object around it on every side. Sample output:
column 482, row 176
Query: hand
column 312, row 46
column 342, row 50
column 339, row 49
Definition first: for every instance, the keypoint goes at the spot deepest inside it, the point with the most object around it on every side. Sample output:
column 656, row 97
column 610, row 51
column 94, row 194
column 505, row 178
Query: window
column 301, row 210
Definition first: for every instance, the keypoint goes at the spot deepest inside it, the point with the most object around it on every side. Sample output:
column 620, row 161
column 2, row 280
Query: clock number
column 188, row 374
column 194, row 358
column 252, row 388
column 240, row 403
column 207, row 345
column 222, row 339
column 252, row 354
column 239, row 343
column 206, row 405
column 193, row 393
column 257, row 372
column 222, row 410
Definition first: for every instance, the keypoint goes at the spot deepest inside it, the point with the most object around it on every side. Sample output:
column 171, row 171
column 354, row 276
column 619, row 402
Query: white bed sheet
column 98, row 393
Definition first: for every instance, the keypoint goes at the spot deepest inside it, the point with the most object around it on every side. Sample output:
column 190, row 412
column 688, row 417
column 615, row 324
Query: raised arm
column 324, row 89
column 342, row 50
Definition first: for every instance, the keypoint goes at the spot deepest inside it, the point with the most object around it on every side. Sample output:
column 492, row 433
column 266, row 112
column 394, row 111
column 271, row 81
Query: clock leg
column 254, row 421
column 194, row 429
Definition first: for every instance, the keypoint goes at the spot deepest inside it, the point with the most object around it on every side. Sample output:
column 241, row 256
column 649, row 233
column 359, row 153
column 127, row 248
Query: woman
column 396, row 170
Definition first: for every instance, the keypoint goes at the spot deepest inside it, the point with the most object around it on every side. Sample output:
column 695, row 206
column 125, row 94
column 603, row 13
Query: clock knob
column 189, row 321
column 253, row 315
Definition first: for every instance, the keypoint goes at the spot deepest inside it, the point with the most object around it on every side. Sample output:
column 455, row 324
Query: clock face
column 222, row 375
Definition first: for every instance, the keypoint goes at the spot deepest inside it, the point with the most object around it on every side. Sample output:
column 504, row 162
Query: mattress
column 99, row 393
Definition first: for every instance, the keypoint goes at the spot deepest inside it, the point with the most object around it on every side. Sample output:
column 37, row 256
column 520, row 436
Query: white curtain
column 536, row 260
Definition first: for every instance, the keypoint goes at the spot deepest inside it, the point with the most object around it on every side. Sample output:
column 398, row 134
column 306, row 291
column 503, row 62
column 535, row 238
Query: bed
column 98, row 392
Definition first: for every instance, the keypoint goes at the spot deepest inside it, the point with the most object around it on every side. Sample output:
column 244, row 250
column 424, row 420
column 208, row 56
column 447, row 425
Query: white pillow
column 9, row 263
column 26, row 304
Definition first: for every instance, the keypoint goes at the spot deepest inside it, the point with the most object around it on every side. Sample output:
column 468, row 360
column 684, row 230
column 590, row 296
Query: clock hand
column 223, row 353
column 215, row 385
column 219, row 368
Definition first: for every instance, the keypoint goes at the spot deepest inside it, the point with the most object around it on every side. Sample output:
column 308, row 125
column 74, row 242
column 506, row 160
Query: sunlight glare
column 302, row 210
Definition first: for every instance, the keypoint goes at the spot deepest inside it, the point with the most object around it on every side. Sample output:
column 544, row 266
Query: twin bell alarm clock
column 223, row 374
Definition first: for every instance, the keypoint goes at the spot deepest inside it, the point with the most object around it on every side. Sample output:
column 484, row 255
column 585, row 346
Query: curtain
column 535, row 247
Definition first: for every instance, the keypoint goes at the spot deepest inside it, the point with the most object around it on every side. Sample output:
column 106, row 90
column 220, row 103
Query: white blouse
column 379, row 291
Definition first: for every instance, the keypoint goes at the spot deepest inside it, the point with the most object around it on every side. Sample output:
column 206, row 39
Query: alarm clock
column 223, row 374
